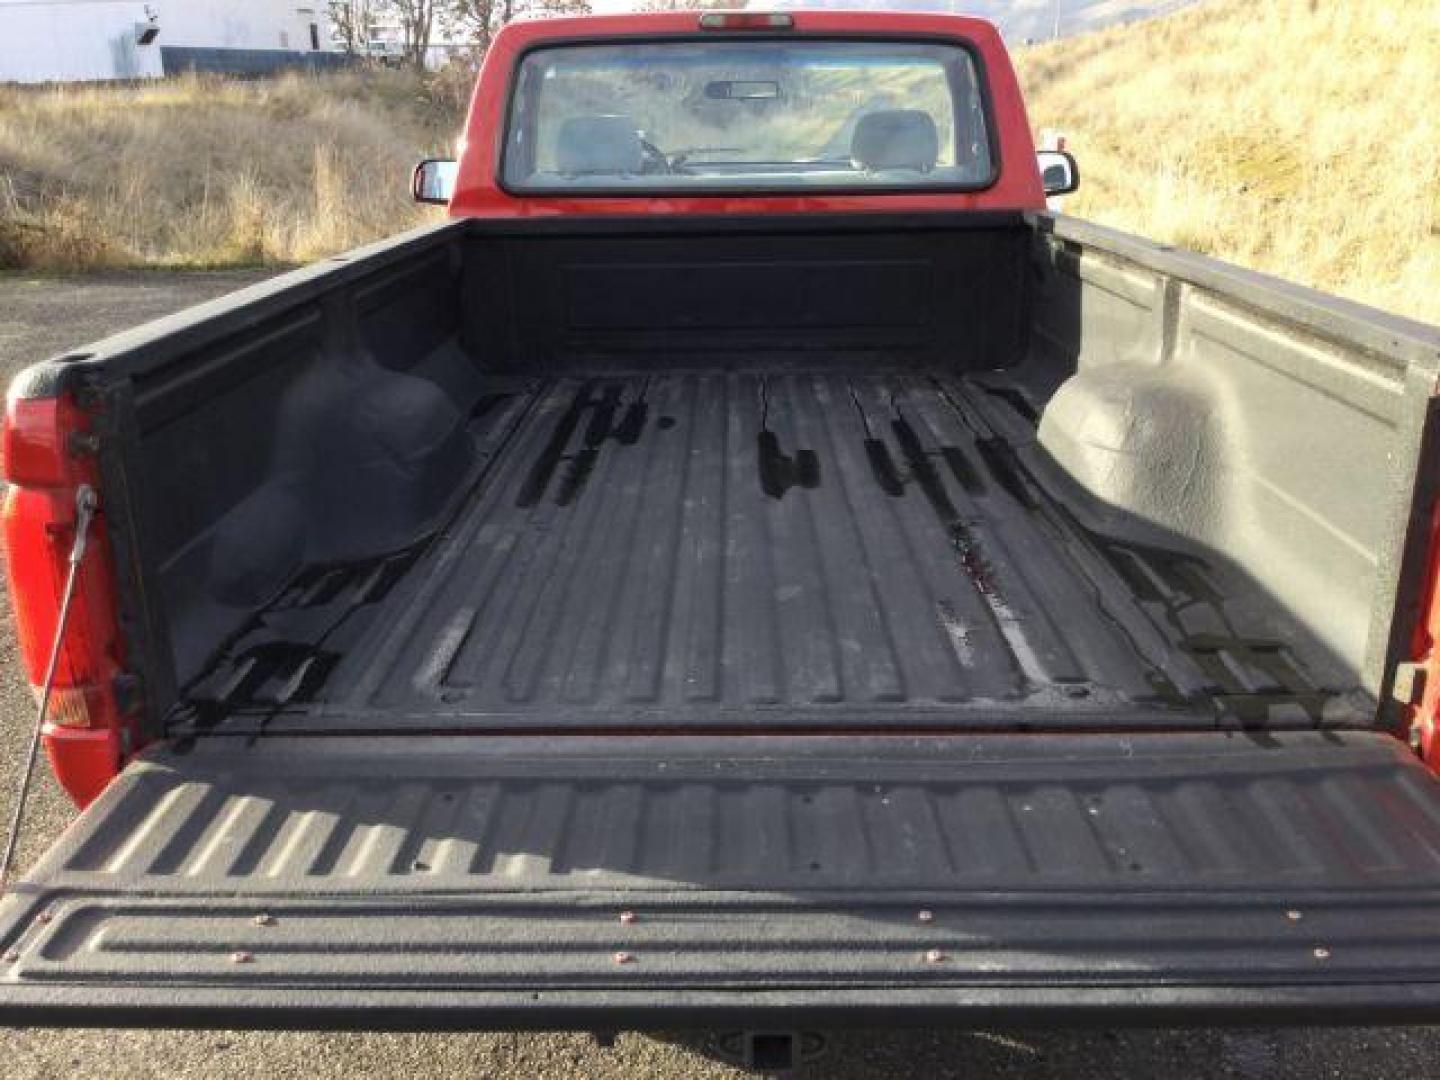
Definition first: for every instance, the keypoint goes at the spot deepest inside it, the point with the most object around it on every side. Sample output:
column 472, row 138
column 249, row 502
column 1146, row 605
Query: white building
column 74, row 40
column 246, row 24
column 70, row 40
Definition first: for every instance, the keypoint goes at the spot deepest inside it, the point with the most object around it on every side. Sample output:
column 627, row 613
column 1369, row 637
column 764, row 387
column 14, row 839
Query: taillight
column 36, row 443
column 746, row 20
column 46, row 460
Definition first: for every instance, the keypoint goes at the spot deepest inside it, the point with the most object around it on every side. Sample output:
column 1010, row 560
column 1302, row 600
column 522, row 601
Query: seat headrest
column 605, row 145
column 895, row 139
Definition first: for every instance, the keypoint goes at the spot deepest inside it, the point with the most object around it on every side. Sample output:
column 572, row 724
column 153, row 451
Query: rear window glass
column 751, row 116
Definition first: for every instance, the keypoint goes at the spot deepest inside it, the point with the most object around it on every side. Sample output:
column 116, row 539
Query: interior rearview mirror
column 742, row 90
column 1058, row 172
column 434, row 181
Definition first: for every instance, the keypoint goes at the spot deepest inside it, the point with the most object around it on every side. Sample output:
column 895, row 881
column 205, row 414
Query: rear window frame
column 977, row 60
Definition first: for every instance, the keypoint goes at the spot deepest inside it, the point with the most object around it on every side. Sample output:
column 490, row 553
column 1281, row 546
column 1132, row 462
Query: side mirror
column 434, row 181
column 1058, row 172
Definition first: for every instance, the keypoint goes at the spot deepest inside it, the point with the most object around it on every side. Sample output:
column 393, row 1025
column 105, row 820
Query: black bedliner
column 766, row 551
column 906, row 619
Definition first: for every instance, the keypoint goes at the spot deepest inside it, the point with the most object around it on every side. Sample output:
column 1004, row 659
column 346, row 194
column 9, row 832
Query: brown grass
column 1300, row 137
column 203, row 171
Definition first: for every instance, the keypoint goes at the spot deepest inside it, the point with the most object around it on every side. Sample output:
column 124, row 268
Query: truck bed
column 692, row 550
column 929, row 690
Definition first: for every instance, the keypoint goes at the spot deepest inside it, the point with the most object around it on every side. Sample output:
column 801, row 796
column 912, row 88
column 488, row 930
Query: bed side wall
column 1277, row 426
column 317, row 418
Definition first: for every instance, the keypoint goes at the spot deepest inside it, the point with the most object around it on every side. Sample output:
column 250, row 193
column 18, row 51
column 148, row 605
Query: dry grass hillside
column 201, row 171
column 1300, row 137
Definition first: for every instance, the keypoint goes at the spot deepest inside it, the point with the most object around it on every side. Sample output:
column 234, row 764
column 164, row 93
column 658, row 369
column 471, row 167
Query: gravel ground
column 39, row 317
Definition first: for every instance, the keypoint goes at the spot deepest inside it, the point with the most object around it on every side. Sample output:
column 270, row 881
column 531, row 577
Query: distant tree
column 481, row 20
column 417, row 27
column 353, row 21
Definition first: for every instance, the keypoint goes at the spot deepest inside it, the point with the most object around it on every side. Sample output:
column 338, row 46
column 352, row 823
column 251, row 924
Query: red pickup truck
column 750, row 567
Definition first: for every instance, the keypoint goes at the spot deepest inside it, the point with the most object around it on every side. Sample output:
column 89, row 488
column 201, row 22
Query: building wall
column 245, row 24
column 246, row 37
column 178, row 59
column 73, row 41
column 78, row 40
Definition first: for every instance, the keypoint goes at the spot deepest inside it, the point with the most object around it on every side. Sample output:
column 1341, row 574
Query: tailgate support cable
column 85, row 506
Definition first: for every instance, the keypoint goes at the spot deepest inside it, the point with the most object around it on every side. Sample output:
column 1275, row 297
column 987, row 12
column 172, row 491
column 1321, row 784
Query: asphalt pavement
column 43, row 316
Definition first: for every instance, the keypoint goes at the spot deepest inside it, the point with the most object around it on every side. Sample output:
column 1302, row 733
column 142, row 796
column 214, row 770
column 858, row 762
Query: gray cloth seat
column 599, row 146
column 895, row 139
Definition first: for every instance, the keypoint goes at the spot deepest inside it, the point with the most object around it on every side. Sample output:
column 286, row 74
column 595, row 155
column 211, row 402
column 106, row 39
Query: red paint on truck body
column 1424, row 713
column 87, row 734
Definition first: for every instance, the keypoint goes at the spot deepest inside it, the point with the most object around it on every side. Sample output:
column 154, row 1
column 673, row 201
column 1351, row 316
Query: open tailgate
column 641, row 882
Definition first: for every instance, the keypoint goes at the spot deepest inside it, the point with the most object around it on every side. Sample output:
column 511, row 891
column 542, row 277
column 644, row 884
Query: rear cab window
column 661, row 116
